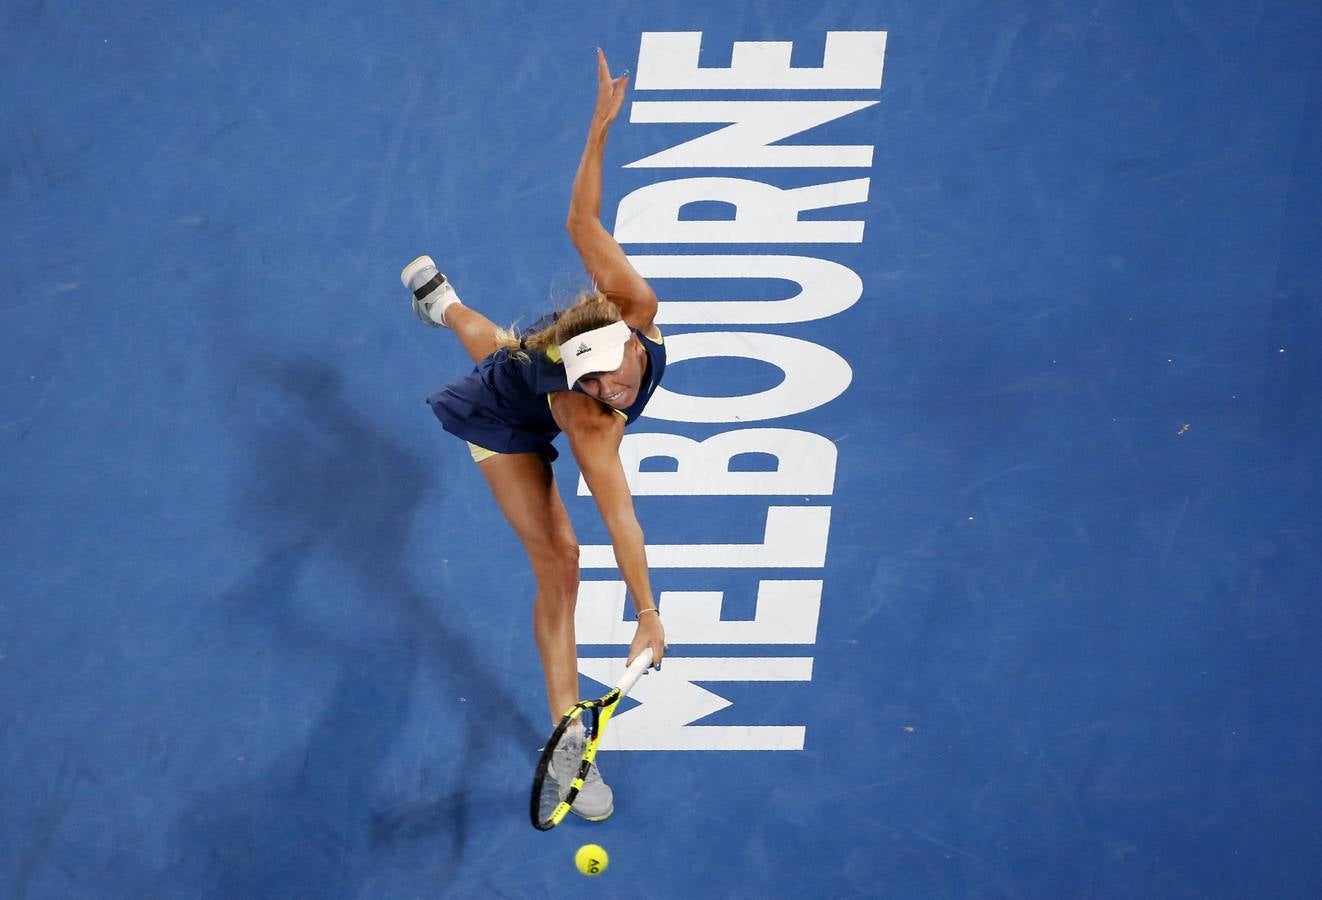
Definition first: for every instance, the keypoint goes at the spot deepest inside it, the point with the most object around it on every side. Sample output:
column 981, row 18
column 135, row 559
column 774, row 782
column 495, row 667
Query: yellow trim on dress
column 480, row 454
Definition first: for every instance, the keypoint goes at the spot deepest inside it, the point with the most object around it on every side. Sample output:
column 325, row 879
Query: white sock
column 445, row 297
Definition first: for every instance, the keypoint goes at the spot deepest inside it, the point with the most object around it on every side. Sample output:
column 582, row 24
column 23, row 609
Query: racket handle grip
column 635, row 671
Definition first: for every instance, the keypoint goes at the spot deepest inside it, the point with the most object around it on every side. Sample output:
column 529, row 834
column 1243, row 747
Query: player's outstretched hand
column 610, row 93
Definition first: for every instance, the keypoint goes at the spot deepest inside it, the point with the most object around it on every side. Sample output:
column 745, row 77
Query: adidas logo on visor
column 582, row 348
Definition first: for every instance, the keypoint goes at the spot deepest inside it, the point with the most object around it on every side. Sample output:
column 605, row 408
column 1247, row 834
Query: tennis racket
column 569, row 752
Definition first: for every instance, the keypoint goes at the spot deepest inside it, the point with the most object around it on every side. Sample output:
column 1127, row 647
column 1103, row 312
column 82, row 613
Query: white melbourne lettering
column 668, row 60
column 825, row 288
column 805, row 464
column 755, row 125
column 792, row 537
column 786, row 613
column 670, row 702
column 764, row 213
column 814, row 376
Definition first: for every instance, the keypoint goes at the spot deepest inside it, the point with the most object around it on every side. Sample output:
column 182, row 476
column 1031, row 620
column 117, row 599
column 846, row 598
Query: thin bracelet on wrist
column 649, row 609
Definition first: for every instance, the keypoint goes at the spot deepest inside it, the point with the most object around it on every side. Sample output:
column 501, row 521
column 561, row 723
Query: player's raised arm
column 606, row 264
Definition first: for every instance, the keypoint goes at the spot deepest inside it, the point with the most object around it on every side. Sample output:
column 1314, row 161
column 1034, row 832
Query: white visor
column 598, row 350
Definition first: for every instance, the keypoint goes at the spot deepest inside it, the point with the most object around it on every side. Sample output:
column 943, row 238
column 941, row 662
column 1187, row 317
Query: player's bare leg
column 524, row 488
column 475, row 331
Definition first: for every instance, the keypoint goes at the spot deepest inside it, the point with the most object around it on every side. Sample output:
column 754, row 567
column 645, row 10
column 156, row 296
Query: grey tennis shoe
column 432, row 291
column 595, row 800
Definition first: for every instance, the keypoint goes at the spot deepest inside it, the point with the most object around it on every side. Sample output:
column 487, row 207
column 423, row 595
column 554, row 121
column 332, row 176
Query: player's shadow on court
column 330, row 502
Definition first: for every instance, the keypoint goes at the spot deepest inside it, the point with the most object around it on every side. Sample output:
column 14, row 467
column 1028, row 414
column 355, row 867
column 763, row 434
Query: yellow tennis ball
column 591, row 860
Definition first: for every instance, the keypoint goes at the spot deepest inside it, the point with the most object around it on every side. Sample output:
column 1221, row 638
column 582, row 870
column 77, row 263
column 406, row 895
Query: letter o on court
column 814, row 376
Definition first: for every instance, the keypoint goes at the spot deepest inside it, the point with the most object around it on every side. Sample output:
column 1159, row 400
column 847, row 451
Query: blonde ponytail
column 590, row 310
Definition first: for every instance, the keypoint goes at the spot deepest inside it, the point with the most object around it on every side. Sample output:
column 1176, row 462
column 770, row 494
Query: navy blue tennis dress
column 503, row 405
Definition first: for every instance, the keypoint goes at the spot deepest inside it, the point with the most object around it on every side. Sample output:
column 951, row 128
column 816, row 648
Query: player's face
column 618, row 389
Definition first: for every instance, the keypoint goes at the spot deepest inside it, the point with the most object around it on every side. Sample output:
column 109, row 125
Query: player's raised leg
column 475, row 331
column 436, row 303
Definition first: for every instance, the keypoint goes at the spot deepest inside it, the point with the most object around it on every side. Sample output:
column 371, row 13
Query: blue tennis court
column 981, row 496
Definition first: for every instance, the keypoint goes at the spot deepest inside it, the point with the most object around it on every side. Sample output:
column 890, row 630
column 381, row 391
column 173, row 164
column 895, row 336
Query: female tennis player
column 586, row 371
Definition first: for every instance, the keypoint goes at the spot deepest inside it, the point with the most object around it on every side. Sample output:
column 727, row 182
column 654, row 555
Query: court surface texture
column 981, row 495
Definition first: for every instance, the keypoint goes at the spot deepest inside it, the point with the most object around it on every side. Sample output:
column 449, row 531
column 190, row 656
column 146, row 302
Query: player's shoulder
column 580, row 416
column 577, row 405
